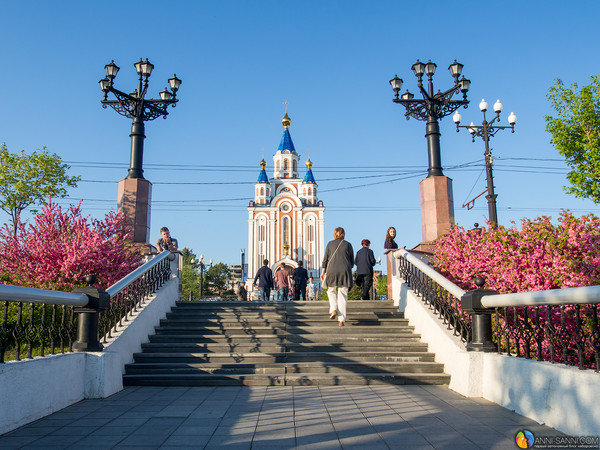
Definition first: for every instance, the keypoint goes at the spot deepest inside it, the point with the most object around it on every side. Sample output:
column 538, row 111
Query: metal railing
column 560, row 325
column 132, row 291
column 38, row 322
column 438, row 293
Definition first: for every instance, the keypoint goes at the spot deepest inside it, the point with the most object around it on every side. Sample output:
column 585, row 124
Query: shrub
column 62, row 247
column 539, row 256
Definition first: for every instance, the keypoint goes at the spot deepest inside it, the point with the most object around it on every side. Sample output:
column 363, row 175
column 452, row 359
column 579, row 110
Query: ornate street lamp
column 433, row 106
column 486, row 130
column 202, row 265
column 135, row 106
column 135, row 191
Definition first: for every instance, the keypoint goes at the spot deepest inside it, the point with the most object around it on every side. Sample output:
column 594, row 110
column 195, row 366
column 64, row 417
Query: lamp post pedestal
column 437, row 207
column 134, row 197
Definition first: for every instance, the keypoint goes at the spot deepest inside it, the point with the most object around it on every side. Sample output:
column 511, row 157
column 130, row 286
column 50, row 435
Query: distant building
column 285, row 220
column 235, row 273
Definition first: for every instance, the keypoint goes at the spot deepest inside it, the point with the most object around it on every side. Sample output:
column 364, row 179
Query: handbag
column 324, row 283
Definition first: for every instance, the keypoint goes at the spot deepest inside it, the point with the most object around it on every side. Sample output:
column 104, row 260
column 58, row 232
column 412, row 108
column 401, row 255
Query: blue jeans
column 283, row 294
column 264, row 293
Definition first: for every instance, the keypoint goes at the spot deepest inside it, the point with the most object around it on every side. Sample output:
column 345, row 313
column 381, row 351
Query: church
column 285, row 220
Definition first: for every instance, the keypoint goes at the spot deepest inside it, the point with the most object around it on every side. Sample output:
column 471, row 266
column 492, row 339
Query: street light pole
column 135, row 106
column 134, row 191
column 487, row 130
column 437, row 200
column 202, row 267
column 432, row 107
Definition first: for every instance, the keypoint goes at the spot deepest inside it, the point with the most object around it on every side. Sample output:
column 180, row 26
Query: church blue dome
column 286, row 142
column 309, row 178
column 262, row 176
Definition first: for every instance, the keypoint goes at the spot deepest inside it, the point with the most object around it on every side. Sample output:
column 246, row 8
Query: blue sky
column 239, row 61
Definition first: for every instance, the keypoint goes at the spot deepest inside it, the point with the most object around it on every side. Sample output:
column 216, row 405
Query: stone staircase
column 283, row 343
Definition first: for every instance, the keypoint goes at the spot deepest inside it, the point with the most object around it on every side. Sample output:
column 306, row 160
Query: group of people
column 336, row 270
column 296, row 283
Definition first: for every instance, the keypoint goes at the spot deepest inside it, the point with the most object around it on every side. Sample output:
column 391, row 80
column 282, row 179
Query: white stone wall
column 562, row 397
column 34, row 388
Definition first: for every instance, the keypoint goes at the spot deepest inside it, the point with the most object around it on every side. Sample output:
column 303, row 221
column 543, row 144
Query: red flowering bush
column 539, row 256
column 62, row 247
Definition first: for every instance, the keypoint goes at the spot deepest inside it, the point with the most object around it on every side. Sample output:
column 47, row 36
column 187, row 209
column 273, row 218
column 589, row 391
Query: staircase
column 282, row 343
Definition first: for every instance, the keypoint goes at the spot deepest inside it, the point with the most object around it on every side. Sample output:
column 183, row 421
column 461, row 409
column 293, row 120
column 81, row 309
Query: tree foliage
column 539, row 256
column 63, row 247
column 190, row 275
column 575, row 133
column 27, row 180
column 217, row 277
column 215, row 280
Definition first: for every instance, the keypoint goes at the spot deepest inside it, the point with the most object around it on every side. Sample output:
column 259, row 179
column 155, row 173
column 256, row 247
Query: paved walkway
column 373, row 417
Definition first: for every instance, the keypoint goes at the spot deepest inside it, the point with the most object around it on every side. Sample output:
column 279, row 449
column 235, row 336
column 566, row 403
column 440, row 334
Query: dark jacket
column 300, row 276
column 365, row 260
column 338, row 265
column 264, row 275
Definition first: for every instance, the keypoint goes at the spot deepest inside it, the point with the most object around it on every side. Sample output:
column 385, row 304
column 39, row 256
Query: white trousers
column 338, row 299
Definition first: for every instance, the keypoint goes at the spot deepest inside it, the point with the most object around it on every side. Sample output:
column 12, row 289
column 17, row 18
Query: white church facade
column 286, row 218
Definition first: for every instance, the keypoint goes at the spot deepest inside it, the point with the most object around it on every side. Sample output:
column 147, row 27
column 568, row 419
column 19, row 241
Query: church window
column 311, row 232
column 309, row 191
column 286, row 230
column 286, row 164
column 262, row 191
column 295, row 166
column 277, row 165
column 261, row 233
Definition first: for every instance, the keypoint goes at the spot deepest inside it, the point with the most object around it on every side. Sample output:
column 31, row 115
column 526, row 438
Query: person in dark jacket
column 264, row 278
column 337, row 272
column 300, row 277
column 365, row 260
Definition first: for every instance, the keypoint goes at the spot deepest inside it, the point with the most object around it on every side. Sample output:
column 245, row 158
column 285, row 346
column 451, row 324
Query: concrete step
column 283, row 343
column 284, row 380
column 323, row 322
column 281, row 357
column 269, row 347
column 388, row 339
column 284, row 368
column 279, row 330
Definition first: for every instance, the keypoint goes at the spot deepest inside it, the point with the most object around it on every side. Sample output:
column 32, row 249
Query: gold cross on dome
column 286, row 103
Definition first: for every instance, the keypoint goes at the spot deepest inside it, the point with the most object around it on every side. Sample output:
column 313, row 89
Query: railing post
column 481, row 318
column 87, row 326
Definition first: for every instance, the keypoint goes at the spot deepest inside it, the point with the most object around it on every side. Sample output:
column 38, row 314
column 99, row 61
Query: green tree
column 27, row 180
column 217, row 277
column 575, row 133
column 190, row 275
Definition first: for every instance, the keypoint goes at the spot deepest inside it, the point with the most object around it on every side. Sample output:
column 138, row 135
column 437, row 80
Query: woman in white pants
column 337, row 272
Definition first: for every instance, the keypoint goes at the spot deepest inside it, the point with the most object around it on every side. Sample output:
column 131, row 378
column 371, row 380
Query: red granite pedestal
column 437, row 209
column 134, row 198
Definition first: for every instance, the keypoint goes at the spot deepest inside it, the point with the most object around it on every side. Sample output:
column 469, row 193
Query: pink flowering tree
column 62, row 247
column 538, row 256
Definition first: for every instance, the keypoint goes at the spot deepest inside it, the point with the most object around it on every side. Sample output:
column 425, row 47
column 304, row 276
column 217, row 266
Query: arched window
column 286, row 164
column 277, row 165
column 295, row 165
column 262, row 191
column 261, row 233
column 286, row 230
column 309, row 191
column 311, row 232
